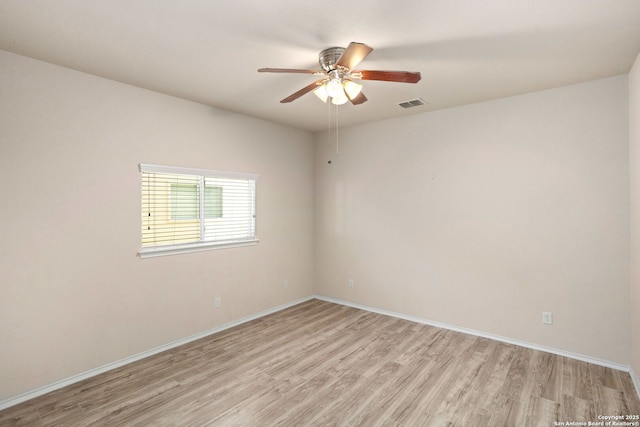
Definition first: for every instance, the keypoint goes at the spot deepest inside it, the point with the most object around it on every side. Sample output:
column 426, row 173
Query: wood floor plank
column 339, row 409
column 486, row 388
column 444, row 392
column 508, row 413
column 324, row 364
column 517, row 385
column 386, row 399
column 542, row 412
column 470, row 416
column 574, row 408
column 551, row 377
column 577, row 379
column 24, row 414
column 610, row 401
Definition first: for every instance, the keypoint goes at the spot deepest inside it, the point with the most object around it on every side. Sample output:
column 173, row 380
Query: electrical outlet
column 547, row 318
column 286, row 284
column 217, row 302
column 350, row 283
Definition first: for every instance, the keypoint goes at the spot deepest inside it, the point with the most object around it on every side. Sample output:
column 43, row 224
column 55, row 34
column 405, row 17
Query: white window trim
column 151, row 252
column 146, row 167
column 156, row 251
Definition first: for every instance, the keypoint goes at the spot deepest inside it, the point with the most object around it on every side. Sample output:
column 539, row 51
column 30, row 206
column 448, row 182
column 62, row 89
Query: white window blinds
column 185, row 210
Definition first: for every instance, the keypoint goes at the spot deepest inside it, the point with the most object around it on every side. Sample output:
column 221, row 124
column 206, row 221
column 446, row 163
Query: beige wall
column 481, row 216
column 634, row 156
column 73, row 294
column 486, row 215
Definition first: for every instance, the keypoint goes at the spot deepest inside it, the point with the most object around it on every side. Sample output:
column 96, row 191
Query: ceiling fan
column 338, row 73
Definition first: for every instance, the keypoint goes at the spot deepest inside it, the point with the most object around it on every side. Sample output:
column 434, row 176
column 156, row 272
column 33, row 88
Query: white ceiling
column 209, row 50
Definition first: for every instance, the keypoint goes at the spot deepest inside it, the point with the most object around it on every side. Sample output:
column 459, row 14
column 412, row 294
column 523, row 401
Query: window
column 184, row 201
column 185, row 210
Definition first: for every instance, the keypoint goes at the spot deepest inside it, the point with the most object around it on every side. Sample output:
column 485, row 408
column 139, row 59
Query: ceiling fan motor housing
column 329, row 57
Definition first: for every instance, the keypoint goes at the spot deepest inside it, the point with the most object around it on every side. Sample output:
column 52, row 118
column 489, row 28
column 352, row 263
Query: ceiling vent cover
column 412, row 103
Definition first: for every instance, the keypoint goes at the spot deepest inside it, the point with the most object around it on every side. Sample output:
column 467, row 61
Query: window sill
column 151, row 252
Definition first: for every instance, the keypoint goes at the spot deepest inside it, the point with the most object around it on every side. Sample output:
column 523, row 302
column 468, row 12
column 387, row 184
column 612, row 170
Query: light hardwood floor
column 323, row 364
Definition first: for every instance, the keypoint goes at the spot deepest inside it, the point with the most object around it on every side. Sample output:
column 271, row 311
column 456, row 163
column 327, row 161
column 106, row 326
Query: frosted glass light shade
column 334, row 88
column 352, row 89
column 321, row 92
column 339, row 99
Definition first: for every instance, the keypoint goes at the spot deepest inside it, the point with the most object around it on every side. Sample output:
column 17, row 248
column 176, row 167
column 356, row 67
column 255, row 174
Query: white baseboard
column 519, row 343
column 23, row 397
column 636, row 381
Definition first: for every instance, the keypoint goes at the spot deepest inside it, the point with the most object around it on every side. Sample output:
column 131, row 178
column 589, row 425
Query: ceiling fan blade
column 354, row 53
column 359, row 99
column 302, row 91
column 388, row 76
column 289, row 70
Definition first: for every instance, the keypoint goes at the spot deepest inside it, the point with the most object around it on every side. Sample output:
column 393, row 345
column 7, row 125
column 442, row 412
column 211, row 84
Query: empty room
column 415, row 213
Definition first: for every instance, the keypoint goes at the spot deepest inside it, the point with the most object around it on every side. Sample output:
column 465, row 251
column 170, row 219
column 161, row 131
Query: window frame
column 201, row 245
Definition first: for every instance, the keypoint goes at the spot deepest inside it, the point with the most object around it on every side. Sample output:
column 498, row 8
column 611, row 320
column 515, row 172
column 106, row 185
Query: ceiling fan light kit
column 337, row 65
column 340, row 92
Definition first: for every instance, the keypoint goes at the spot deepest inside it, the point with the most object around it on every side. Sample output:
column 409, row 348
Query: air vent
column 412, row 103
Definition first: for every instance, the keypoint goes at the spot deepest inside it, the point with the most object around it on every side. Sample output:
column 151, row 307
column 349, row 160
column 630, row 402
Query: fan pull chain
column 329, row 121
column 337, row 131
